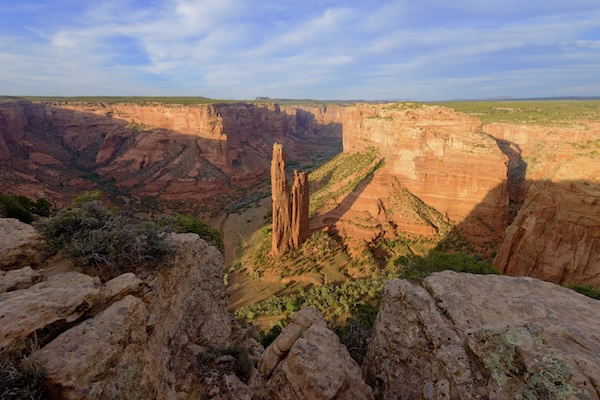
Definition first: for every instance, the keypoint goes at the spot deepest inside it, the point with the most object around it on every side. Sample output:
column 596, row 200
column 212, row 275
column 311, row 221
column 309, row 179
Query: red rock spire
column 290, row 215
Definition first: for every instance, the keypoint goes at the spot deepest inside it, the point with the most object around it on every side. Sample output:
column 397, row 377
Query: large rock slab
column 307, row 361
column 18, row 279
column 101, row 358
column 63, row 298
column 19, row 244
column 464, row 336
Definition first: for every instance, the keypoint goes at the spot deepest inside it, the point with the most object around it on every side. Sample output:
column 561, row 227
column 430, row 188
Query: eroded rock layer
column 171, row 152
column 290, row 212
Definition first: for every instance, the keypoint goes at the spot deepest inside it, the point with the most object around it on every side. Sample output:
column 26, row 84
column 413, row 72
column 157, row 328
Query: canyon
column 436, row 175
column 165, row 333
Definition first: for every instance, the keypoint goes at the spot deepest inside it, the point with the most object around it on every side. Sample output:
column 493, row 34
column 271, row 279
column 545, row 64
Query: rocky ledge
column 167, row 334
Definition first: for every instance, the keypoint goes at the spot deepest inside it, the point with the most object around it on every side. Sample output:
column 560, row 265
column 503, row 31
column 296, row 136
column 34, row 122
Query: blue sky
column 321, row 49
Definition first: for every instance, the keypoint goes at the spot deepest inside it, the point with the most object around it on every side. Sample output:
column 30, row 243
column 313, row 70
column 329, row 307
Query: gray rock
column 464, row 336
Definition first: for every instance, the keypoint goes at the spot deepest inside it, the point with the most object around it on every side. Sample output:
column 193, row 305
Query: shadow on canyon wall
column 555, row 235
column 64, row 151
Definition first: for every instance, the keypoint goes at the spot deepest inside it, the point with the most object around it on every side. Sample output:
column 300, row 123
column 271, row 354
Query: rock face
column 464, row 336
column 199, row 152
column 555, row 235
column 19, row 244
column 290, row 215
column 282, row 217
column 300, row 205
column 126, row 338
column 441, row 156
column 307, row 361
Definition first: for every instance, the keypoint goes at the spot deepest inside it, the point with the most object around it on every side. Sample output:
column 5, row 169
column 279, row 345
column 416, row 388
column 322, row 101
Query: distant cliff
column 168, row 152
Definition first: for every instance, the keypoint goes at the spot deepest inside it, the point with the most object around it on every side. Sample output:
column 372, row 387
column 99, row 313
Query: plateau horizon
column 324, row 49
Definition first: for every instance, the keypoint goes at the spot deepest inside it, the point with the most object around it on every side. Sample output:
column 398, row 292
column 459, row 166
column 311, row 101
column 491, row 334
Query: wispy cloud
column 321, row 49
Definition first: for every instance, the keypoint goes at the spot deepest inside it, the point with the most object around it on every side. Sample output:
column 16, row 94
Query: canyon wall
column 198, row 154
column 556, row 234
column 439, row 170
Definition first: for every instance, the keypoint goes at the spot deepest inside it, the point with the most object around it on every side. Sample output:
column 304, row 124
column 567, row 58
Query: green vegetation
column 340, row 176
column 534, row 112
column 340, row 299
column 588, row 290
column 356, row 333
column 94, row 235
column 23, row 208
column 181, row 223
column 416, row 267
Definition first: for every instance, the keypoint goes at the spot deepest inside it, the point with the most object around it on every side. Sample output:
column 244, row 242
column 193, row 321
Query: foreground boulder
column 128, row 337
column 307, row 361
column 464, row 336
column 20, row 244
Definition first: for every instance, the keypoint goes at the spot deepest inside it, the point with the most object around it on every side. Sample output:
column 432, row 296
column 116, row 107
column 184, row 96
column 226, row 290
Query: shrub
column 181, row 223
column 18, row 382
column 23, row 208
column 588, row 290
column 416, row 267
column 95, row 235
column 357, row 331
column 242, row 367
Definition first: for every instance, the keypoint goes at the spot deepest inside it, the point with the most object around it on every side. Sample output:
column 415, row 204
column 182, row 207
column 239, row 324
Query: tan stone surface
column 312, row 364
column 19, row 244
column 62, row 298
column 101, row 358
column 464, row 336
column 17, row 279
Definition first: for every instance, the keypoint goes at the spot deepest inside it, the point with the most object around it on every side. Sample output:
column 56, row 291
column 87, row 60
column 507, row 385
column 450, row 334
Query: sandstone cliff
column 170, row 152
column 555, row 235
column 463, row 336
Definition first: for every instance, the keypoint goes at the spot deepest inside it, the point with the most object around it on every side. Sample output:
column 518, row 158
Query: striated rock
column 101, row 358
column 18, row 279
column 464, row 336
column 300, row 205
column 282, row 217
column 19, row 244
column 61, row 299
column 174, row 152
column 441, row 157
column 121, row 286
column 556, row 234
column 290, row 215
column 307, row 361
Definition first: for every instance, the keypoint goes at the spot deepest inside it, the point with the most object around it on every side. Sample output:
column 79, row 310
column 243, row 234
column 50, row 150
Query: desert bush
column 182, row 223
column 242, row 367
column 415, row 267
column 98, row 236
column 588, row 290
column 23, row 208
column 356, row 333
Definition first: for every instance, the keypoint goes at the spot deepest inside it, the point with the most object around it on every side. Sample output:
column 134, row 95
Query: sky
column 424, row 50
